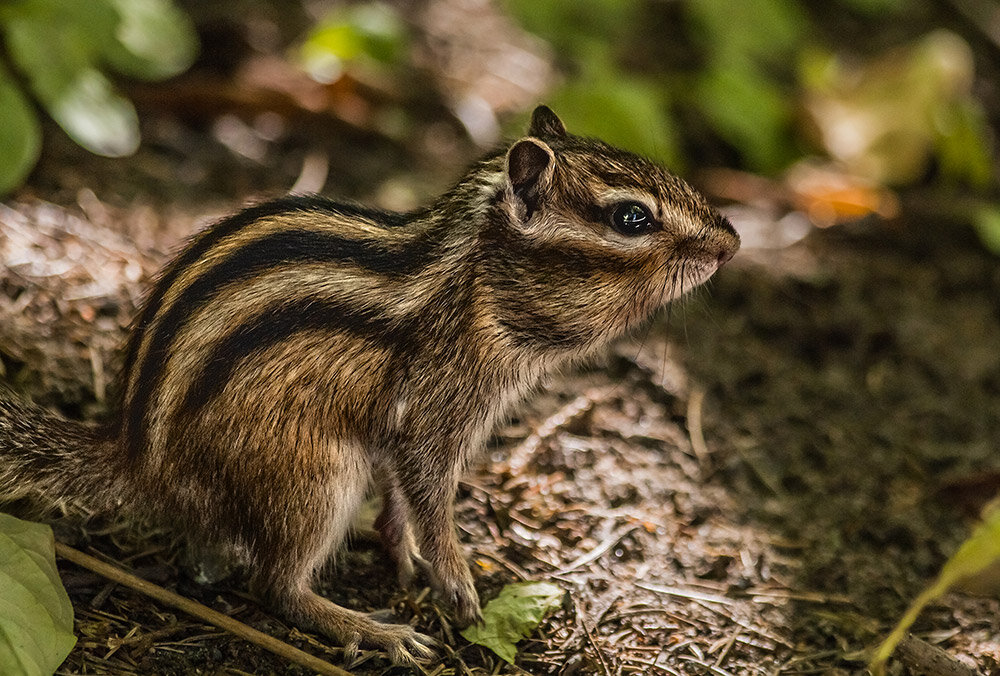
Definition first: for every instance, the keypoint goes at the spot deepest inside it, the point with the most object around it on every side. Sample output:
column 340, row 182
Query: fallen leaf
column 513, row 615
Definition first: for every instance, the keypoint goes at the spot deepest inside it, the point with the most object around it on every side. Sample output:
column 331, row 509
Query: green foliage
column 372, row 32
column 631, row 112
column 986, row 220
column 60, row 48
column 884, row 119
column 20, row 134
column 577, row 28
column 746, row 106
column 602, row 99
column 759, row 76
column 749, row 112
column 876, row 7
column 975, row 555
column 36, row 618
column 512, row 615
column 962, row 150
column 636, row 110
column 155, row 40
column 751, row 31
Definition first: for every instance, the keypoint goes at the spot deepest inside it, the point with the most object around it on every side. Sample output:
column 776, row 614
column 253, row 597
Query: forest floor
column 757, row 484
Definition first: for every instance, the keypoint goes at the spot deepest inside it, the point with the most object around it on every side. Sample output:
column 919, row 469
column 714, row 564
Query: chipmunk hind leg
column 396, row 531
column 293, row 547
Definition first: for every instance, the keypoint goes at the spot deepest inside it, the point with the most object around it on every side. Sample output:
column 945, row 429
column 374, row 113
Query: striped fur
column 299, row 350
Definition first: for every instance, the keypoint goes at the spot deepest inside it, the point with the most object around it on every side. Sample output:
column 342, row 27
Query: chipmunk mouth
column 686, row 274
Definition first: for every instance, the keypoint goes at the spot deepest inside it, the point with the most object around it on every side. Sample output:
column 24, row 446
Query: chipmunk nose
column 728, row 241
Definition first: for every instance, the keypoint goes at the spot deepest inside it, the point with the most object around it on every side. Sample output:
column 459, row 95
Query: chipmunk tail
column 48, row 460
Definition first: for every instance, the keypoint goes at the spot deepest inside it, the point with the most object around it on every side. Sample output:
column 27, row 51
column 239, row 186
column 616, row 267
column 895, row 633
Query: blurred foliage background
column 841, row 102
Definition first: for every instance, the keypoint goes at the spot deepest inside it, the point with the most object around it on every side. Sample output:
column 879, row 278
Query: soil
column 757, row 483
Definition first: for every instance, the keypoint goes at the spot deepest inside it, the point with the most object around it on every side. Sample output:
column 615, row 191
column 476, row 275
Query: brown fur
column 301, row 348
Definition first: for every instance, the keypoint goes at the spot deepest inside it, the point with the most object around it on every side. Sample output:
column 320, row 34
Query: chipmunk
column 302, row 350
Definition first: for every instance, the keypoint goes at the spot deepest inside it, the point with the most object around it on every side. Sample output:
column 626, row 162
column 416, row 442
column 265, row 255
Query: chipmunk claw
column 351, row 649
column 461, row 595
column 467, row 610
column 413, row 650
column 404, row 644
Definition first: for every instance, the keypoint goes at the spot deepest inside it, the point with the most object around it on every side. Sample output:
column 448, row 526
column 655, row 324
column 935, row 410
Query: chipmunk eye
column 631, row 219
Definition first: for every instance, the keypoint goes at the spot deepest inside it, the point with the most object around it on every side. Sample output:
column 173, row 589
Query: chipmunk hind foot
column 352, row 629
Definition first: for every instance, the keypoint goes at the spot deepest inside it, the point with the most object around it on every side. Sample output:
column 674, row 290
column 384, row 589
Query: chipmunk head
column 585, row 240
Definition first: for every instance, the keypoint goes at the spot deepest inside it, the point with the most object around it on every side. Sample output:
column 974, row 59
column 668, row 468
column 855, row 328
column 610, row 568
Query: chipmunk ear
column 545, row 123
column 529, row 168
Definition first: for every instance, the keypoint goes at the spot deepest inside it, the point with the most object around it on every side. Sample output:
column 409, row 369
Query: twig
column 590, row 637
column 598, row 551
column 97, row 368
column 922, row 657
column 721, row 659
column 748, row 627
column 662, row 667
column 695, row 432
column 200, row 611
column 704, row 665
column 312, row 178
column 791, row 595
column 686, row 593
column 518, row 572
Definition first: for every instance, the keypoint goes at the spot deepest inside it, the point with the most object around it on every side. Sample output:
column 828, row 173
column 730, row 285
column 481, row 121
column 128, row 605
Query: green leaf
column 749, row 111
column 878, row 6
column 96, row 116
column 36, row 618
column 512, row 615
column 986, row 220
column 20, row 134
column 975, row 555
column 68, row 29
column 758, row 30
column 372, row 31
column 963, row 142
column 67, row 83
column 626, row 112
column 567, row 24
column 154, row 39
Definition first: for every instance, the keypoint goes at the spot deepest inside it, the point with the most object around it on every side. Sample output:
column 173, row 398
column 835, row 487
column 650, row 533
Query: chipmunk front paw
column 459, row 592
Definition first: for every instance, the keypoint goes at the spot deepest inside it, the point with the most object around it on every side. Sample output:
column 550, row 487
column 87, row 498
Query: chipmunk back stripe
column 246, row 262
column 277, row 324
column 230, row 226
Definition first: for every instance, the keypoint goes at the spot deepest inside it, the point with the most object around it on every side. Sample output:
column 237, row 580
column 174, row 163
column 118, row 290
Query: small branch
column 200, row 611
column 721, row 659
column 685, row 593
column 312, row 178
column 698, row 444
column 597, row 551
column 590, row 637
column 922, row 657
